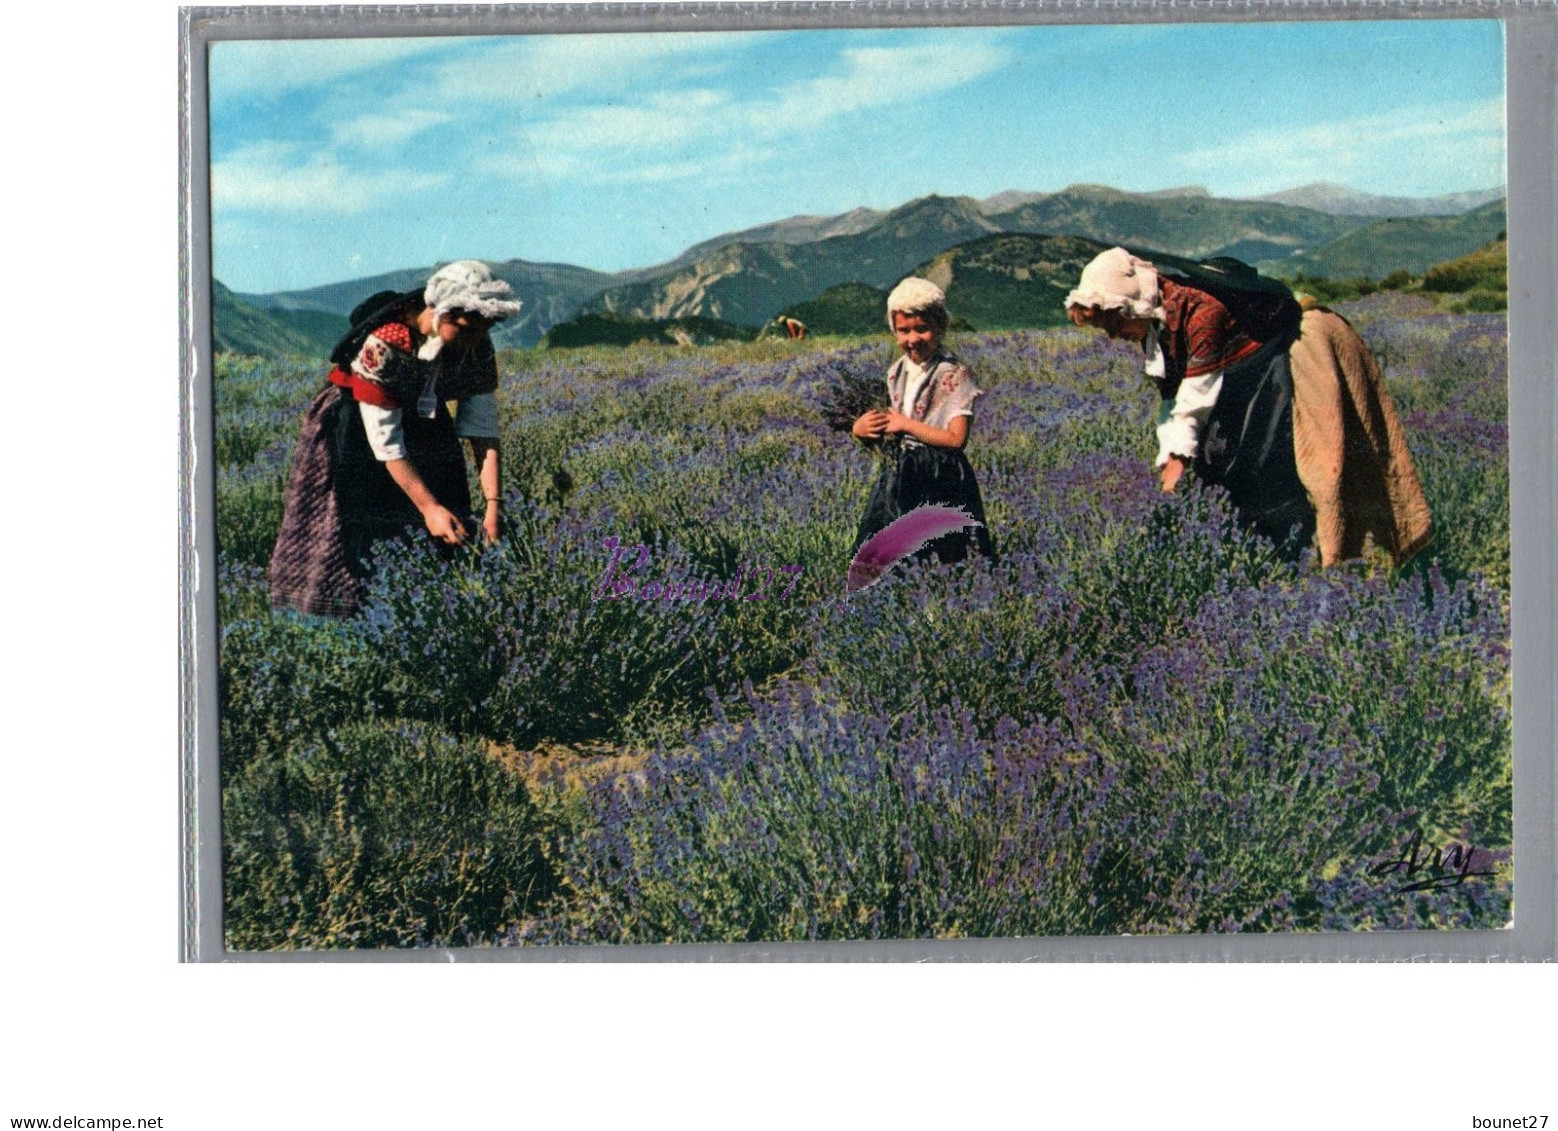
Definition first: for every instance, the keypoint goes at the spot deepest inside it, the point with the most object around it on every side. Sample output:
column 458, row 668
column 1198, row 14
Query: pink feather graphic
column 902, row 537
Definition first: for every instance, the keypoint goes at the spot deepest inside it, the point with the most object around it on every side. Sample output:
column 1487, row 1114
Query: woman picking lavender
column 1283, row 407
column 931, row 412
column 379, row 451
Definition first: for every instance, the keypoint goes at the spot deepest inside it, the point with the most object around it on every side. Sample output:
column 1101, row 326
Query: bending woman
column 379, row 451
column 1283, row 407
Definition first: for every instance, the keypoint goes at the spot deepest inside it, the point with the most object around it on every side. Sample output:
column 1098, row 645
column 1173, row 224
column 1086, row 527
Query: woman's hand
column 897, row 422
column 443, row 525
column 484, row 450
column 870, row 425
column 1173, row 471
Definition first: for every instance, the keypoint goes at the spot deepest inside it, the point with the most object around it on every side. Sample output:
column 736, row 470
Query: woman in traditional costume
column 1283, row 407
column 379, row 451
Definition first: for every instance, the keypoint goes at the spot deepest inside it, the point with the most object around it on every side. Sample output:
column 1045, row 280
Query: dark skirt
column 921, row 475
column 1247, row 448
column 340, row 500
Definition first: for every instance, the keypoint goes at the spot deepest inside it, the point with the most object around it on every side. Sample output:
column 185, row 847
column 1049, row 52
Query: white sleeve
column 384, row 435
column 476, row 417
column 1181, row 420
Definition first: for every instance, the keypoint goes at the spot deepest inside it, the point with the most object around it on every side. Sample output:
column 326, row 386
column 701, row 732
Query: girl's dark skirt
column 340, row 500
column 920, row 475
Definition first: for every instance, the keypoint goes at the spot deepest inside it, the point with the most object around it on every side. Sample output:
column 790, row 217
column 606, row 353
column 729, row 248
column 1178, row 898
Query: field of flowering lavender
column 1137, row 720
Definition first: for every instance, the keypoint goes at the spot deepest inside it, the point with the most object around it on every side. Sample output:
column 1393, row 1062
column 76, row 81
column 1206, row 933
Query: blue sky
column 335, row 159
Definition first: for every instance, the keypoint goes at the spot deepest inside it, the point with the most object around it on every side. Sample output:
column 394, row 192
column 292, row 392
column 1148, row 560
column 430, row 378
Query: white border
column 1532, row 34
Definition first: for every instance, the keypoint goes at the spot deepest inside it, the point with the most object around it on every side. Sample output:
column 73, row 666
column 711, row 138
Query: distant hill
column 1382, row 246
column 551, row 293
column 1012, row 199
column 749, row 283
column 743, row 284
column 238, row 327
column 624, row 330
column 745, row 278
column 1189, row 224
column 321, row 328
column 792, row 230
column 1482, row 278
column 1010, row 282
column 340, row 298
column 849, row 308
column 1323, row 196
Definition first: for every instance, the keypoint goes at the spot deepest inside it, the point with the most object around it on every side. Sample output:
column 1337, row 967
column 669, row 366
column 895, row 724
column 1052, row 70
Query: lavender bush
column 513, row 641
column 1138, row 720
column 1288, row 730
column 812, row 821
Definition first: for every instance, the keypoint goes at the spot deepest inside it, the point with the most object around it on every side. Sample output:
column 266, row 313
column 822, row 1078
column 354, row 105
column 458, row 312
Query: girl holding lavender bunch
column 930, row 413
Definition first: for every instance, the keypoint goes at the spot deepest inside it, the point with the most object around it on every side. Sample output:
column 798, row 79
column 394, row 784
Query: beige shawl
column 1351, row 451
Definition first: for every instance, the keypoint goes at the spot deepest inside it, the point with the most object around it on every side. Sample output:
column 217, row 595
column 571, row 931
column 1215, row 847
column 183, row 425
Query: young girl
column 932, row 410
column 379, row 452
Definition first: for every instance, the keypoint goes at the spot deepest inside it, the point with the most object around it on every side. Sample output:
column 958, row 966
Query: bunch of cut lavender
column 846, row 393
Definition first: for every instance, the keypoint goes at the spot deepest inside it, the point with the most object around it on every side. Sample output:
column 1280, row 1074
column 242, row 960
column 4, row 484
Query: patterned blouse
column 1187, row 354
column 946, row 393
column 377, row 381
column 1199, row 335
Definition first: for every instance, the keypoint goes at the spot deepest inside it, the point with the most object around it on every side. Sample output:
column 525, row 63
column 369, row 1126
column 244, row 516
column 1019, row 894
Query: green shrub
column 1486, row 269
column 250, row 511
column 378, row 835
column 1481, row 302
column 285, row 678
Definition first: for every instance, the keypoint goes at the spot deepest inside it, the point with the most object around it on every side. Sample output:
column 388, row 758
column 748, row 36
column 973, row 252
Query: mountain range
column 551, row 293
column 1412, row 243
column 748, row 276
column 1324, row 196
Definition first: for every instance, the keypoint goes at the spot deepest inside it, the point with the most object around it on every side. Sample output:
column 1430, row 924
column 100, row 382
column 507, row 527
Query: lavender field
column 1137, row 720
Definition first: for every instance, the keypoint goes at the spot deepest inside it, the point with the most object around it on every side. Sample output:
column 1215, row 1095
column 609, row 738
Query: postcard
column 782, row 491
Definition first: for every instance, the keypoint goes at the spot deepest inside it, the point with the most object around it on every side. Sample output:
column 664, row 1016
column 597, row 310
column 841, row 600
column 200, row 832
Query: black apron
column 1247, row 449
column 372, row 506
column 1247, row 444
column 921, row 474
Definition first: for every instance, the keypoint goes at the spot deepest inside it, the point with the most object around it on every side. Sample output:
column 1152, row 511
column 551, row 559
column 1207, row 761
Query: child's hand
column 896, row 421
column 870, row 425
column 489, row 523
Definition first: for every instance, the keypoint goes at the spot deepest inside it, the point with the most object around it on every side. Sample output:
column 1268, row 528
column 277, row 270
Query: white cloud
column 274, row 177
column 650, row 137
column 1414, row 151
column 726, row 166
column 275, row 66
column 529, row 70
column 381, row 129
column 617, row 107
column 877, row 77
column 658, row 121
